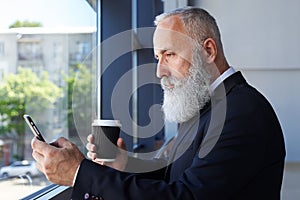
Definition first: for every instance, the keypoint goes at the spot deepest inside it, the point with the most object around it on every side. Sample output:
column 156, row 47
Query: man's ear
column 210, row 50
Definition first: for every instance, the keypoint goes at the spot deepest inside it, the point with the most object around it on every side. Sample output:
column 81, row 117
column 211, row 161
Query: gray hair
column 199, row 24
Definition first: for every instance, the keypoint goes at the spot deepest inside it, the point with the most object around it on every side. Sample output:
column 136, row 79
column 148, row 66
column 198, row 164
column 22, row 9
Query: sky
column 51, row 13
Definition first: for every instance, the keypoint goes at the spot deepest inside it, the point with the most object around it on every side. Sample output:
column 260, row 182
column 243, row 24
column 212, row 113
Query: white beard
column 188, row 96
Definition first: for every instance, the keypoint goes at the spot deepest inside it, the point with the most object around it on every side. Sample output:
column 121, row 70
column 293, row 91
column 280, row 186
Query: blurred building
column 54, row 50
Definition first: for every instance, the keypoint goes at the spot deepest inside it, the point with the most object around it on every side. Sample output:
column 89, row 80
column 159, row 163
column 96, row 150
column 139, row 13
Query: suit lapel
column 188, row 130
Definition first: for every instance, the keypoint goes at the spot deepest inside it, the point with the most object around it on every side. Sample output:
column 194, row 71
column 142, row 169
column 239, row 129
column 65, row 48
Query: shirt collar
column 221, row 78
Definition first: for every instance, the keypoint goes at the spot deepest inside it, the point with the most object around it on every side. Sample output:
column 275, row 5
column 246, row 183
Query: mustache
column 168, row 83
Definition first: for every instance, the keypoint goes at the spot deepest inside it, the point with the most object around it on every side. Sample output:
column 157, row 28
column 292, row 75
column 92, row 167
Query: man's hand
column 59, row 160
column 121, row 159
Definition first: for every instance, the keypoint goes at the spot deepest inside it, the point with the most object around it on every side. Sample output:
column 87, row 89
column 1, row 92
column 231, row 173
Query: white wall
column 262, row 39
column 282, row 88
column 173, row 4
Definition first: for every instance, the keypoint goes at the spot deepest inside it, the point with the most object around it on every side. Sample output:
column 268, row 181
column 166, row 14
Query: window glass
column 2, row 49
column 44, row 47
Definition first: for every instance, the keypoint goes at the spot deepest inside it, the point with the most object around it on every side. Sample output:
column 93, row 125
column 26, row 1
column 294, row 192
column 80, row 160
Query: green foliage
column 25, row 91
column 25, row 23
column 79, row 83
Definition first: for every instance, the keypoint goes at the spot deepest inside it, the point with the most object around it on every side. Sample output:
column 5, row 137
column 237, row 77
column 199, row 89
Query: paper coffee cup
column 106, row 134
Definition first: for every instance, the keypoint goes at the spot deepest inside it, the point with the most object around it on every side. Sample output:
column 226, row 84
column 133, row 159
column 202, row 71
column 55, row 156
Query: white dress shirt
column 221, row 78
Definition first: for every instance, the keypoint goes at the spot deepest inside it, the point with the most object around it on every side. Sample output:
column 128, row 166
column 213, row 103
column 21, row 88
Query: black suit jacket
column 234, row 149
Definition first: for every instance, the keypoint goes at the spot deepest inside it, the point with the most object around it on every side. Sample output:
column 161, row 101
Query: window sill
column 53, row 192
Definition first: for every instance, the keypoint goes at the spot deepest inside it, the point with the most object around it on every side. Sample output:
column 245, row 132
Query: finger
column 90, row 138
column 38, row 145
column 90, row 147
column 91, row 155
column 34, row 143
column 39, row 167
column 121, row 144
column 37, row 156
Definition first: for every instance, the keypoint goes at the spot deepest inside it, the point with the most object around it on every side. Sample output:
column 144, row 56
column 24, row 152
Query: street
column 17, row 188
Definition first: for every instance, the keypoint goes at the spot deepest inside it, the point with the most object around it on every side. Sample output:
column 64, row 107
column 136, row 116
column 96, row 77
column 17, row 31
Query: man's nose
column 162, row 70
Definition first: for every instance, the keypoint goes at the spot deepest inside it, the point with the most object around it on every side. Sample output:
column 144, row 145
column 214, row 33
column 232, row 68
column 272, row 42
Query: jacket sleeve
column 101, row 181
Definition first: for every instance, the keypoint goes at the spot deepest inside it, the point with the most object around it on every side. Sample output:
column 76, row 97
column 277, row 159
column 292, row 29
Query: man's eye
column 170, row 54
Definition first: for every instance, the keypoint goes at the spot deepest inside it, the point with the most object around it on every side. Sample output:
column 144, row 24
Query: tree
column 25, row 91
column 26, row 23
column 79, row 80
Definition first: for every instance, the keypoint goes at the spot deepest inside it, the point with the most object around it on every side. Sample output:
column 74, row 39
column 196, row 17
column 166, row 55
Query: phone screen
column 33, row 127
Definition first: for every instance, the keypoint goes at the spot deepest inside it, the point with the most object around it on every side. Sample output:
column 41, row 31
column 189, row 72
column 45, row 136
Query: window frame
column 52, row 191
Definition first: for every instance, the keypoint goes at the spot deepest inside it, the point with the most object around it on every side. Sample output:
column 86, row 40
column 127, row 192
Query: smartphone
column 33, row 127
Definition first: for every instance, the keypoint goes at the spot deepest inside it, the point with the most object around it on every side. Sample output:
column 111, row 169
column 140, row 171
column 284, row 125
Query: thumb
column 60, row 142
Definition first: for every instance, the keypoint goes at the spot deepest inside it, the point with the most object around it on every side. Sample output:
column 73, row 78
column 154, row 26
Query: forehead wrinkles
column 175, row 41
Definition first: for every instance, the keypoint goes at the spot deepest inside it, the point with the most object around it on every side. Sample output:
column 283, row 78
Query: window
column 2, row 52
column 63, row 54
column 38, row 66
column 30, row 50
column 1, row 73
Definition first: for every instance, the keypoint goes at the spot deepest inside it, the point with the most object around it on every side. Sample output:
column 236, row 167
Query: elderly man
column 229, row 143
